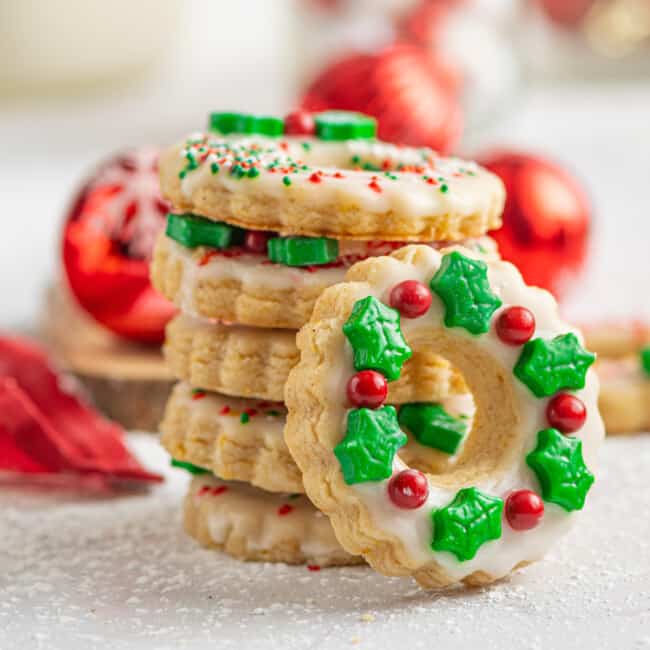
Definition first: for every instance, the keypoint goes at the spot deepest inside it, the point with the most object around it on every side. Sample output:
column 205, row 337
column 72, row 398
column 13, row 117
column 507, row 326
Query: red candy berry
column 515, row 325
column 256, row 241
column 299, row 123
column 411, row 298
column 524, row 509
column 368, row 388
column 566, row 413
column 408, row 489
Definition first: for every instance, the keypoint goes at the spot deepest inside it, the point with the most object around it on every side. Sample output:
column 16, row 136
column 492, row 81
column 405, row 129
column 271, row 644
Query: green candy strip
column 302, row 251
column 192, row 231
column 644, row 357
column 345, row 125
column 188, row 467
column 432, row 426
column 246, row 123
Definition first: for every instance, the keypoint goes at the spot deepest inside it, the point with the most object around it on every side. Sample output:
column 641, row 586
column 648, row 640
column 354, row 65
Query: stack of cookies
column 267, row 213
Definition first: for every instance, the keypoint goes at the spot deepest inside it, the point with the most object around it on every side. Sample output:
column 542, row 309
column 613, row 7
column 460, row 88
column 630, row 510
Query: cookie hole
column 464, row 378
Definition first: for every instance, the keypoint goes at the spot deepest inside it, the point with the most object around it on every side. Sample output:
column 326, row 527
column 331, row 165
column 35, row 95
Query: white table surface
column 80, row 573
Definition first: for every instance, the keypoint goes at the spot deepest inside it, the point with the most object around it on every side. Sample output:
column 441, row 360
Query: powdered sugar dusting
column 119, row 573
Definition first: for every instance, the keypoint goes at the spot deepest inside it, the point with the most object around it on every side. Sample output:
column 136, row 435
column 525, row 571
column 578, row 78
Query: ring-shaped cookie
column 514, row 485
column 350, row 187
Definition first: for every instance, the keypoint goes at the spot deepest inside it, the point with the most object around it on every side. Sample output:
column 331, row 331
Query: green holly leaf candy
column 302, row 251
column 557, row 461
column 547, row 366
column 345, row 125
column 188, row 467
column 192, row 231
column 469, row 521
column 245, row 123
column 644, row 357
column 462, row 285
column 371, row 441
column 268, row 125
column 373, row 330
column 432, row 426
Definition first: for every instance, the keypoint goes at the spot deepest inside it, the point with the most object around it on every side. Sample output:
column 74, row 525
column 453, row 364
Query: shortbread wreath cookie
column 249, row 362
column 236, row 439
column 512, row 484
column 625, row 392
column 243, row 439
column 251, row 524
column 617, row 339
column 255, row 278
column 336, row 182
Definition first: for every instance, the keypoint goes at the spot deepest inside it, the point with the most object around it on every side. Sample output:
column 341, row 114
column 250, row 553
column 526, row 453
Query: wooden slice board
column 127, row 381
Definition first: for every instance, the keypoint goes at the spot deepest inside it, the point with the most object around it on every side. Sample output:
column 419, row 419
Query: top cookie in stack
column 267, row 214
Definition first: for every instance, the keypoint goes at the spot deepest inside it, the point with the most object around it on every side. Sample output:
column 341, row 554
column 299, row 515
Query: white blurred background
column 80, row 79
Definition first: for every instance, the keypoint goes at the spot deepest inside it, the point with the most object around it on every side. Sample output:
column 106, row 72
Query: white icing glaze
column 459, row 186
column 255, row 271
column 254, row 514
column 265, row 422
column 414, row 527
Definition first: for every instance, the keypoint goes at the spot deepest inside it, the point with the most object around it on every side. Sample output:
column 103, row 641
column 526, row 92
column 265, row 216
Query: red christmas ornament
column 108, row 240
column 299, row 123
column 566, row 13
column 409, row 489
column 524, row 510
column 412, row 93
column 546, row 220
column 515, row 325
column 256, row 241
column 367, row 388
column 411, row 298
column 566, row 413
